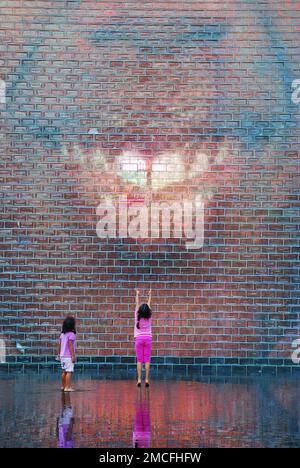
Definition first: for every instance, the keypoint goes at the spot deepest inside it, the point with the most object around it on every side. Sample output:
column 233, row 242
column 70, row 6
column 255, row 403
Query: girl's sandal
column 139, row 384
column 147, row 384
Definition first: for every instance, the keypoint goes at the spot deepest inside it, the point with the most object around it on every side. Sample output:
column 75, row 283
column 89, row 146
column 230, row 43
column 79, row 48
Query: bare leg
column 147, row 367
column 139, row 372
column 63, row 380
column 68, row 380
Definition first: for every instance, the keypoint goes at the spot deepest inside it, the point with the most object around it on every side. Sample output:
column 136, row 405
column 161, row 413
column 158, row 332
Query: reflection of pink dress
column 142, row 430
column 65, row 436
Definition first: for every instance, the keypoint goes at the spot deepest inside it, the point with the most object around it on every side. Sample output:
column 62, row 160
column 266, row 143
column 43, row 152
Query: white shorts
column 67, row 364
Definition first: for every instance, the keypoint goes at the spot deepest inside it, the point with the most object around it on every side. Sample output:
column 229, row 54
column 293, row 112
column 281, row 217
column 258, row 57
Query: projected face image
column 158, row 109
column 180, row 104
column 155, row 135
column 170, row 108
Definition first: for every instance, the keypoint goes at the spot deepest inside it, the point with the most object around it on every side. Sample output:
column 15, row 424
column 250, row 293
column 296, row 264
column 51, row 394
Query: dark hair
column 143, row 312
column 69, row 325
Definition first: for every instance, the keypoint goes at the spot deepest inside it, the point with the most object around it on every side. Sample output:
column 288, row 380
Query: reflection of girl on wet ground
column 65, row 423
column 141, row 436
column 143, row 337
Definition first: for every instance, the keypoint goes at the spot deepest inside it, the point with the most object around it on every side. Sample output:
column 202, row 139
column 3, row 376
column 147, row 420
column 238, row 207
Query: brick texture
column 158, row 101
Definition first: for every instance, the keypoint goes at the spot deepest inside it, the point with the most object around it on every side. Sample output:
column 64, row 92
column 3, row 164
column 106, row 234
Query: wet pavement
column 109, row 412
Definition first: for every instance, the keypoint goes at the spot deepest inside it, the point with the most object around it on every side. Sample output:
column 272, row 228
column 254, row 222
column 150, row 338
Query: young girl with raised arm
column 143, row 336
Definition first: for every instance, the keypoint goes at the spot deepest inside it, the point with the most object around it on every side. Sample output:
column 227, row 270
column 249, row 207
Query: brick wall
column 150, row 102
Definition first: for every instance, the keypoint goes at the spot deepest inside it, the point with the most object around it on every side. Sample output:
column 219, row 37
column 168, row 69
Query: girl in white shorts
column 67, row 352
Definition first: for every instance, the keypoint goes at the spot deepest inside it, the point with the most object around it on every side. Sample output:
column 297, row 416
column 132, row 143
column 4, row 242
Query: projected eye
column 113, row 35
column 203, row 33
column 189, row 34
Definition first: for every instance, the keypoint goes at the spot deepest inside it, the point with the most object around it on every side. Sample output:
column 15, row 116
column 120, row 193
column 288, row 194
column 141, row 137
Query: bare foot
column 69, row 390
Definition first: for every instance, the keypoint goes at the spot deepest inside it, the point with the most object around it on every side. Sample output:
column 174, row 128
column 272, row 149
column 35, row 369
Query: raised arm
column 137, row 298
column 149, row 298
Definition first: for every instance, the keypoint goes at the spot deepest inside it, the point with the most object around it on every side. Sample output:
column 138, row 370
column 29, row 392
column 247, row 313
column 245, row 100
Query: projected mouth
column 175, row 173
column 165, row 170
